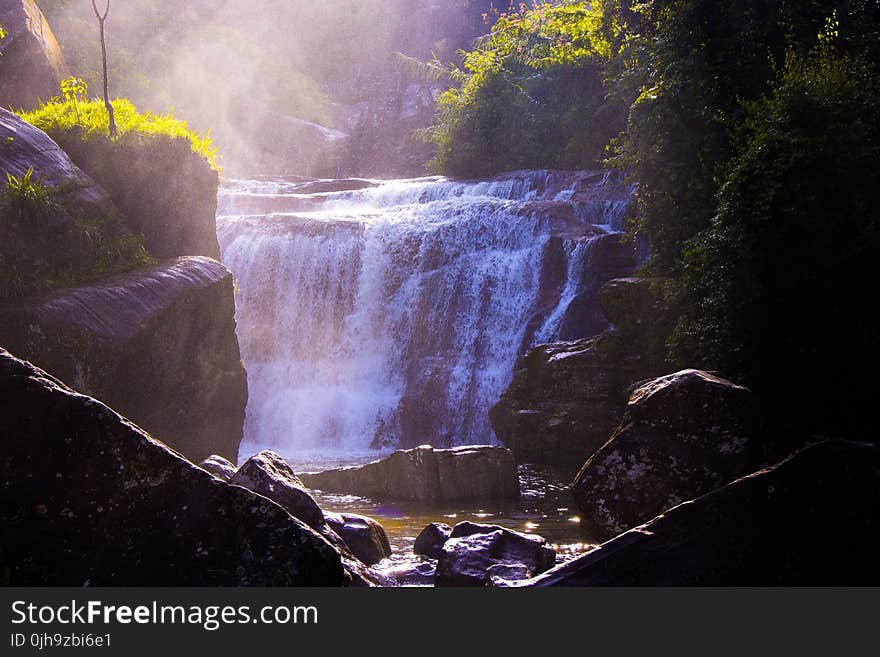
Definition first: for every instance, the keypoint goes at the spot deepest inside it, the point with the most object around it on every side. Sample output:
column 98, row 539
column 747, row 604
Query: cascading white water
column 394, row 315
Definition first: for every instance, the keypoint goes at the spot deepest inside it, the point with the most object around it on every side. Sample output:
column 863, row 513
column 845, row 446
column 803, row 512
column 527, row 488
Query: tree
column 778, row 289
column 102, row 19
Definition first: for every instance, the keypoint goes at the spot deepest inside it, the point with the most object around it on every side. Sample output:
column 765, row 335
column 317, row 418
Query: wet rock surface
column 427, row 475
column 475, row 553
column 87, row 498
column 429, row 543
column 22, row 146
column 683, row 435
column 802, row 522
column 364, row 536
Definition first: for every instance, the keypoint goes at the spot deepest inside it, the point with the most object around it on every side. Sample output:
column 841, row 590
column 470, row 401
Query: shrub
column 531, row 95
column 88, row 121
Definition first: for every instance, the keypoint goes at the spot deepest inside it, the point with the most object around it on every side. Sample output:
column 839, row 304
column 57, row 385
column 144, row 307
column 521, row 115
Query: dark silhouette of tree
column 102, row 19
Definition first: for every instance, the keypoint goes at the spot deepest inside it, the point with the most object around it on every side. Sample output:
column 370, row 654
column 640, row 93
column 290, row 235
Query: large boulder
column 23, row 147
column 159, row 345
column 566, row 399
column 474, row 553
column 87, row 498
column 428, row 475
column 683, row 435
column 31, row 63
column 365, row 537
column 429, row 543
column 809, row 521
column 268, row 474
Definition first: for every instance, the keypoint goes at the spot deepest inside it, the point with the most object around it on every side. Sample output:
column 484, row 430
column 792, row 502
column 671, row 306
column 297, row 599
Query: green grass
column 90, row 118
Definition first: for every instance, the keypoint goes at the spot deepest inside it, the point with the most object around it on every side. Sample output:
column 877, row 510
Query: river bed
column 545, row 508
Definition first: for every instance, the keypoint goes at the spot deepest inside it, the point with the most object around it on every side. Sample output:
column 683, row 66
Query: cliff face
column 167, row 193
column 31, row 63
column 158, row 345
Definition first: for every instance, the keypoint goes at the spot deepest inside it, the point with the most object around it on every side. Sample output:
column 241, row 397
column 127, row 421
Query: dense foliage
column 531, row 95
column 775, row 292
column 751, row 130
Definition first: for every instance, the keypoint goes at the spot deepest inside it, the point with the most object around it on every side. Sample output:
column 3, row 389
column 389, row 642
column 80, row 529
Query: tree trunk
column 110, row 111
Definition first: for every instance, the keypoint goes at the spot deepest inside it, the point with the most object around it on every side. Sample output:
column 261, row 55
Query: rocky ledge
column 427, row 475
column 567, row 398
column 157, row 345
column 89, row 499
column 805, row 521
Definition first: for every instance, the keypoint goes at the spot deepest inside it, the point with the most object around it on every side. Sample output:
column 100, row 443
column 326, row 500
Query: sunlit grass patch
column 90, row 119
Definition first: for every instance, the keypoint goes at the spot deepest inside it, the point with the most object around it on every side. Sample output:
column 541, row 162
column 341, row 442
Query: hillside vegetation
column 750, row 128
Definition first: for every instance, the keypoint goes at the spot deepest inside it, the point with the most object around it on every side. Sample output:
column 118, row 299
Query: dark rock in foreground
column 474, row 553
column 683, row 435
column 269, row 475
column 219, row 467
column 426, row 475
column 158, row 345
column 31, row 63
column 87, row 498
column 365, row 537
column 429, row 543
column 809, row 521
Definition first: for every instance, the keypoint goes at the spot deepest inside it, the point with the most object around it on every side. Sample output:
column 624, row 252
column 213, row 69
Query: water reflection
column 544, row 508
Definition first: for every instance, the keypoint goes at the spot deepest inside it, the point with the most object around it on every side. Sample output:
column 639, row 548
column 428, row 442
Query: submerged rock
column 158, row 345
column 473, row 551
column 31, row 62
column 365, row 537
column 683, row 435
column 429, row 543
column 427, row 475
column 268, row 474
column 219, row 467
column 419, row 574
column 809, row 521
column 87, row 498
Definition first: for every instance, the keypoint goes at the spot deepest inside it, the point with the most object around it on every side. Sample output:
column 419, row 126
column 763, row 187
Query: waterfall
column 392, row 313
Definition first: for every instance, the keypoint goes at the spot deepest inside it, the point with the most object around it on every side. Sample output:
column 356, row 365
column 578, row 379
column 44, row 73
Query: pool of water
column 545, row 508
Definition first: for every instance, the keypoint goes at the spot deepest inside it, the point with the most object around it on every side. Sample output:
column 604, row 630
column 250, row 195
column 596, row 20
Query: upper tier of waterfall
column 392, row 313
